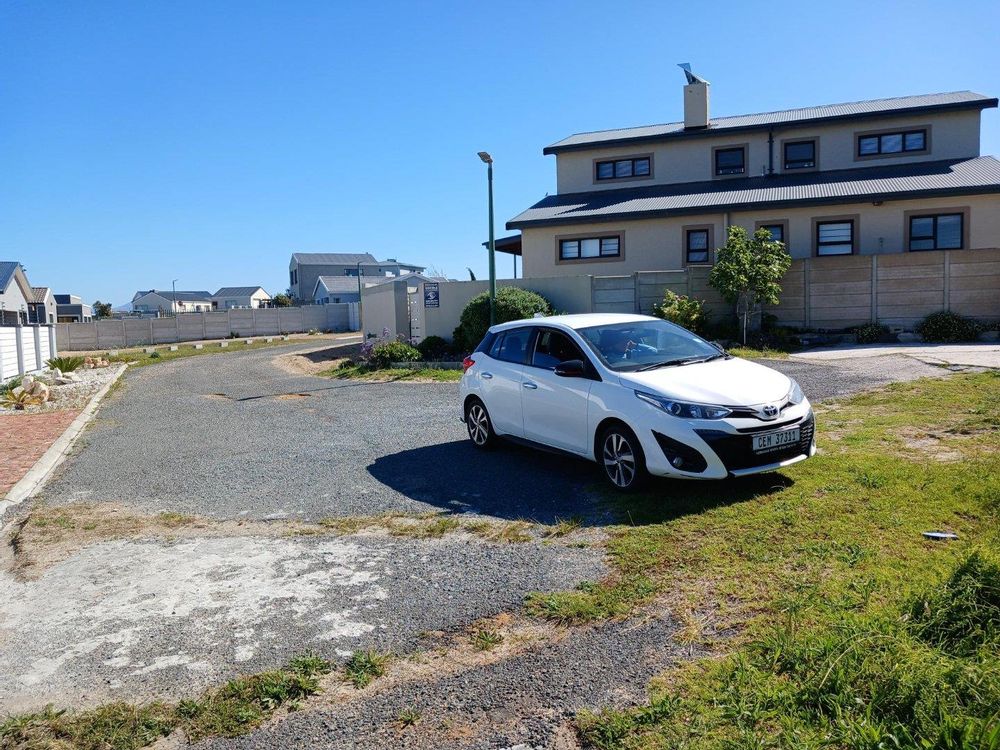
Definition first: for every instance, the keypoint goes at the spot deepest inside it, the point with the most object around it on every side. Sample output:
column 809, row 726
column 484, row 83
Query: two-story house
column 304, row 270
column 901, row 175
column 70, row 308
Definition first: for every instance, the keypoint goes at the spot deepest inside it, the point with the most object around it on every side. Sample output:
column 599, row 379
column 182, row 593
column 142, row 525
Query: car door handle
column 530, row 385
column 487, row 376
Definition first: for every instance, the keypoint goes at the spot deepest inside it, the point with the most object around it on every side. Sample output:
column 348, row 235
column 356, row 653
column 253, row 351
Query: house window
column 800, row 155
column 777, row 231
column 696, row 245
column 730, row 161
column 835, row 237
column 892, row 143
column 588, row 248
column 938, row 232
column 618, row 169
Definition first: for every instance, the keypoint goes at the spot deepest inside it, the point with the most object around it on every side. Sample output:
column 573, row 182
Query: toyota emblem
column 770, row 411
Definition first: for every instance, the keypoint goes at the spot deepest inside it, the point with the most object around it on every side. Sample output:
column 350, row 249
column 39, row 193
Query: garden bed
column 71, row 396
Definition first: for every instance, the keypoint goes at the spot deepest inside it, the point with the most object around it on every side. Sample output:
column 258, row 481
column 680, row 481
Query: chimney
column 695, row 99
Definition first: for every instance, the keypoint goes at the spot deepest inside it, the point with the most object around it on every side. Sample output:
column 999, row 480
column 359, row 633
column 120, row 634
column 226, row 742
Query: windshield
column 645, row 344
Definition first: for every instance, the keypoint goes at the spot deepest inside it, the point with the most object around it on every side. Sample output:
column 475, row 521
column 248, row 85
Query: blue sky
column 206, row 141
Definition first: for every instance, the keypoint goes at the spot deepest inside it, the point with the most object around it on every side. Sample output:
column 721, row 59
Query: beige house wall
column 657, row 244
column 951, row 135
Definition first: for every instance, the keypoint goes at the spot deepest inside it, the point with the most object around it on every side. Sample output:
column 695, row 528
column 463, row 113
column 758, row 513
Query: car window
column 629, row 346
column 553, row 348
column 511, row 345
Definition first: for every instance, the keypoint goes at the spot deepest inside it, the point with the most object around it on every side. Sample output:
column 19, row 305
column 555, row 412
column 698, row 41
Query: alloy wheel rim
column 479, row 428
column 619, row 460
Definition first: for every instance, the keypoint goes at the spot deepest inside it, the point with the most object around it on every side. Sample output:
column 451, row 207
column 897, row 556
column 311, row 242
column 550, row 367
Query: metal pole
column 361, row 324
column 493, row 270
column 173, row 302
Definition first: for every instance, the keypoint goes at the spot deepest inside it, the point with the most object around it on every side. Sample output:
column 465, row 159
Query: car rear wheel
column 477, row 422
column 622, row 458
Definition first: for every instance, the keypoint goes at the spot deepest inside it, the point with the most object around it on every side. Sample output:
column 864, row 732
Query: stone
column 57, row 373
column 199, row 346
column 268, row 340
column 149, row 350
column 40, row 391
column 15, row 392
column 27, row 383
column 223, row 344
column 248, row 341
column 174, row 348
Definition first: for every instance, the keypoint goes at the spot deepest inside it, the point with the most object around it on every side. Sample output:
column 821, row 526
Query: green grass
column 846, row 627
column 362, row 372
column 231, row 710
column 749, row 352
column 365, row 666
column 486, row 640
column 139, row 358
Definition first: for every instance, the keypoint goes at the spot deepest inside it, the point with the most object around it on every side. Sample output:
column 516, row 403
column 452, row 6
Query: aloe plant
column 65, row 364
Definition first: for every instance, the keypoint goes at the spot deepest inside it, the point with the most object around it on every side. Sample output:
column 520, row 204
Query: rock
column 64, row 381
column 57, row 373
column 40, row 392
column 15, row 392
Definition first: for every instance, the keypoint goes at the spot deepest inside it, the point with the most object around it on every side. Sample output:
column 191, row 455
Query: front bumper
column 724, row 448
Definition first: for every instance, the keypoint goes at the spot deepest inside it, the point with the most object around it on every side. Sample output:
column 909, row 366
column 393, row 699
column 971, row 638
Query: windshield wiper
column 664, row 363
column 709, row 358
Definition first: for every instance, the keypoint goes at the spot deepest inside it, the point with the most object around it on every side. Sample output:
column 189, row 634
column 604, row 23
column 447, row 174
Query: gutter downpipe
column 770, row 152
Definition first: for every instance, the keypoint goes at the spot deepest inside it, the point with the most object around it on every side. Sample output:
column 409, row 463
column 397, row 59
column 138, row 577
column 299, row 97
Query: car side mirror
column 573, row 368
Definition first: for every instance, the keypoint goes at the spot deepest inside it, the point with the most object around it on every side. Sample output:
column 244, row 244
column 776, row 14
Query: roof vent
column 695, row 99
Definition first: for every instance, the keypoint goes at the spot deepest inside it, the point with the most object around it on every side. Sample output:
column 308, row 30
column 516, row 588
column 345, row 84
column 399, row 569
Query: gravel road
column 232, row 436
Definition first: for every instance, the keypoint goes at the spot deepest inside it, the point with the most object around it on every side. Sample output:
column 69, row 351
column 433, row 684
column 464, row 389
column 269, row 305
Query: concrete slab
column 966, row 355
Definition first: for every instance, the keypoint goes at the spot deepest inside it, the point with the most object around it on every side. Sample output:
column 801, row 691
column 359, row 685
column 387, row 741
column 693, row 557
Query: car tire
column 621, row 458
column 479, row 425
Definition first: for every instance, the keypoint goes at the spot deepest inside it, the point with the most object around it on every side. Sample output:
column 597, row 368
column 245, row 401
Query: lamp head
column 487, row 159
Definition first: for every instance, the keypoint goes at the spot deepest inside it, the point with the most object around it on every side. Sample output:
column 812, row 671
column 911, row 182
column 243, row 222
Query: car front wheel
column 622, row 458
column 477, row 422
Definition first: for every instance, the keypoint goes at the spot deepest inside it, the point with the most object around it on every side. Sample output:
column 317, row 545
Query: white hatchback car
column 636, row 394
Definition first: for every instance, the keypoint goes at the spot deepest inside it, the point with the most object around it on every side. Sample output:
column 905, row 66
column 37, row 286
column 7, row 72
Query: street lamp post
column 488, row 161
column 173, row 302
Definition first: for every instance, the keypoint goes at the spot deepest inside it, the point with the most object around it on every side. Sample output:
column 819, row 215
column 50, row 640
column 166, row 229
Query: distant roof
column 39, row 293
column 899, row 105
column 238, row 291
column 927, row 179
column 7, row 268
column 176, row 296
column 348, row 284
column 333, row 259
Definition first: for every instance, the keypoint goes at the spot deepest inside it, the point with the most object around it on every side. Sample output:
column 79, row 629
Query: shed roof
column 333, row 259
column 199, row 296
column 238, row 291
column 899, row 105
column 927, row 179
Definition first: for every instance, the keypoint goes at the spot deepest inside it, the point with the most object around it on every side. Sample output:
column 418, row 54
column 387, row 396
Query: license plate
column 769, row 441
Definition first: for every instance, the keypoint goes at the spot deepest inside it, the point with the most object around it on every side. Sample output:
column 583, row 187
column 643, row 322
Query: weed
column 485, row 640
column 408, row 717
column 563, row 527
column 365, row 666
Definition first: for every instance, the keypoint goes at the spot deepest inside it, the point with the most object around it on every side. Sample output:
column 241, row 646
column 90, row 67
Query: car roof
column 575, row 322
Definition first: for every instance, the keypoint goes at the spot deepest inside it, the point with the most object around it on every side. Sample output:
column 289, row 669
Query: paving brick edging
column 38, row 474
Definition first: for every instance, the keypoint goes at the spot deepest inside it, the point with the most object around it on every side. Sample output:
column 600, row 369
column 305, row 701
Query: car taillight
column 467, row 363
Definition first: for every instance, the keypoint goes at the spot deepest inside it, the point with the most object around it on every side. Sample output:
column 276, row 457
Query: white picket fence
column 25, row 349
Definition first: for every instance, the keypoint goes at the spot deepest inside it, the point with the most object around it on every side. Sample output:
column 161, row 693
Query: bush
column 685, row 311
column 512, row 303
column 872, row 333
column 65, row 364
column 947, row 327
column 384, row 353
column 433, row 348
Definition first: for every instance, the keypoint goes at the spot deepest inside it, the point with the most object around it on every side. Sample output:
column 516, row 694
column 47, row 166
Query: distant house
column 15, row 293
column 71, row 309
column 42, row 307
column 305, row 268
column 230, row 297
column 334, row 289
column 156, row 301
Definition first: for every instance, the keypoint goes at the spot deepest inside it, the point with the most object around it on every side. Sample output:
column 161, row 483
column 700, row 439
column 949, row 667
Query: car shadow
column 520, row 483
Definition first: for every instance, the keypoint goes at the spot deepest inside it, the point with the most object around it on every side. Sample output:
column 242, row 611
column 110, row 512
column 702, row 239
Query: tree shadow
column 515, row 482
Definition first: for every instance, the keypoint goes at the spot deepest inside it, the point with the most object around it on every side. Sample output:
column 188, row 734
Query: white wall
column 25, row 349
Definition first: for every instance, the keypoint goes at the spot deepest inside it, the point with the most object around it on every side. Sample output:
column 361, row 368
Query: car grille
column 736, row 451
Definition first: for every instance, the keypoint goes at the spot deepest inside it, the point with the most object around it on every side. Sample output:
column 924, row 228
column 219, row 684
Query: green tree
column 102, row 309
column 747, row 272
column 281, row 300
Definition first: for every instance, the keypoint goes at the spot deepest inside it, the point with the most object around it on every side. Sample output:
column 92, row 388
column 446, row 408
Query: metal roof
column 238, row 291
column 333, row 259
column 177, row 296
column 7, row 268
column 925, row 179
column 900, row 105
column 344, row 284
column 39, row 293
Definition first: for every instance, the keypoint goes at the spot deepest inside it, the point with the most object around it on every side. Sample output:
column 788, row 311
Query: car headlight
column 682, row 409
column 795, row 395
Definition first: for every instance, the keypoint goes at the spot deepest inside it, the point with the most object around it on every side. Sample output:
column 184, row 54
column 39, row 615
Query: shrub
column 687, row 312
column 154, row 355
column 384, row 353
column 66, row 364
column 10, row 385
column 872, row 333
column 947, row 327
column 433, row 347
column 512, row 303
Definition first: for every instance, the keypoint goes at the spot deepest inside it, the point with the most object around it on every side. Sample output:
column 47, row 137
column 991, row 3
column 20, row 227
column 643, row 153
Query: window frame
column 600, row 237
column 785, row 143
column 783, row 223
column 501, row 337
column 597, row 180
column 923, row 213
column 686, row 231
column 536, row 337
column 818, row 221
column 902, row 132
column 744, row 147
